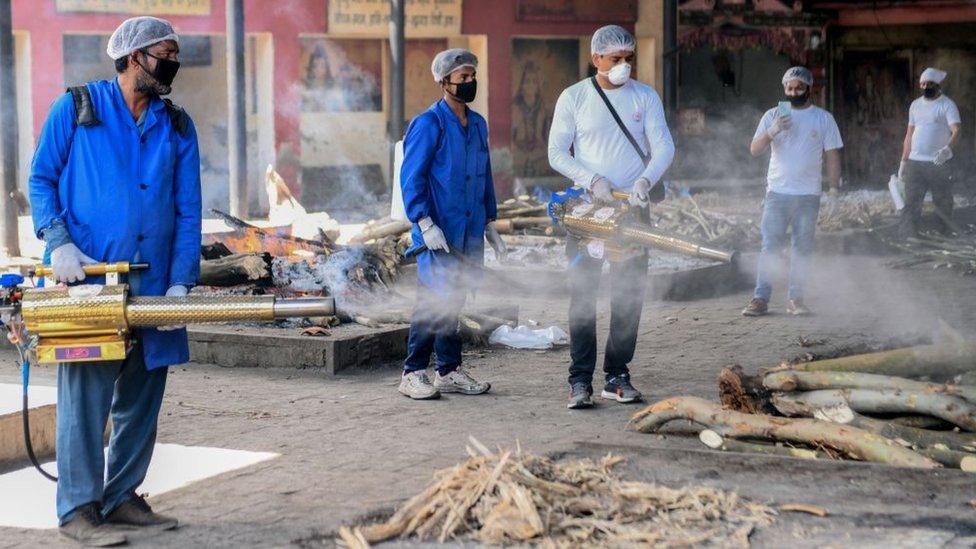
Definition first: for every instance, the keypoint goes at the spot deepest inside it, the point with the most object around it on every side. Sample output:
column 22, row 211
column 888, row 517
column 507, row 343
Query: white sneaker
column 459, row 381
column 417, row 386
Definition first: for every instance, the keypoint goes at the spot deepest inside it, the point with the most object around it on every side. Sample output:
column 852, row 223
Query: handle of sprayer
column 97, row 269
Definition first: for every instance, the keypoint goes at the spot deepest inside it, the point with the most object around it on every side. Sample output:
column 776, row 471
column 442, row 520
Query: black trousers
column 627, row 282
column 922, row 177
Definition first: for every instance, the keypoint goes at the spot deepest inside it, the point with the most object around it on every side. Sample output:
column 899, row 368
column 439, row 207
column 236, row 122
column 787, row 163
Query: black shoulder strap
column 644, row 157
column 177, row 117
column 84, row 110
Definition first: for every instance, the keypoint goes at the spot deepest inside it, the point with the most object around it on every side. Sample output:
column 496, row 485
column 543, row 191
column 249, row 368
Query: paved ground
column 350, row 445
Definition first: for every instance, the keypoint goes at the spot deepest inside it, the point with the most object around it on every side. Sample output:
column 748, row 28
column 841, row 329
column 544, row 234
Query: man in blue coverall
column 116, row 177
column 449, row 196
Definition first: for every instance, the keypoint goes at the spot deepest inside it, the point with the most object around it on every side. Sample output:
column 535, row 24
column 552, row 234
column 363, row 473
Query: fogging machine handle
column 97, row 269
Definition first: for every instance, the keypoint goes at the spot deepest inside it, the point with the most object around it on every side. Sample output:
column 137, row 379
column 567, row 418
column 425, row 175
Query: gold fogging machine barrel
column 622, row 228
column 94, row 322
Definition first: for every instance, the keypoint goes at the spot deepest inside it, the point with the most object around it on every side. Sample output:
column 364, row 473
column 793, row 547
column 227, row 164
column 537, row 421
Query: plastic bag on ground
column 524, row 337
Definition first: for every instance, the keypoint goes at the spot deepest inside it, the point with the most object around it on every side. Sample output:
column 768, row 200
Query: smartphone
column 783, row 108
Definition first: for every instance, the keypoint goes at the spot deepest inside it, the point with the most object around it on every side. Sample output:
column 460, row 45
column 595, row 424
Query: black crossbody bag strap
column 656, row 193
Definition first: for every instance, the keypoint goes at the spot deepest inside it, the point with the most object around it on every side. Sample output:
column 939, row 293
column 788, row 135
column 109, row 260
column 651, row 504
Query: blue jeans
column 434, row 330
column 87, row 394
column 781, row 213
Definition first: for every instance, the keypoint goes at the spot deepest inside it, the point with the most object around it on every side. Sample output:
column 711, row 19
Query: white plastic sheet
column 524, row 337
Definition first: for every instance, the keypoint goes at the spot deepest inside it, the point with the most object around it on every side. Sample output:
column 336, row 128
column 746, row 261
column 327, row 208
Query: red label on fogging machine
column 69, row 354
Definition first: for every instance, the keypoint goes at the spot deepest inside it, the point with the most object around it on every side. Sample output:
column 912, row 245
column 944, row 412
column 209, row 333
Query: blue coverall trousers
column 87, row 394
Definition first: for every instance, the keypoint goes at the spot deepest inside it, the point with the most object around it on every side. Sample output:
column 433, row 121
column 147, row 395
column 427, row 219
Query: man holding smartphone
column 801, row 135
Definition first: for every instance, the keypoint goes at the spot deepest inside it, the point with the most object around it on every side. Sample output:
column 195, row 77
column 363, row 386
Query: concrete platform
column 349, row 346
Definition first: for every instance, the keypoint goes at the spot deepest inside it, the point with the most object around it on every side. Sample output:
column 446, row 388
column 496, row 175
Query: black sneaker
column 136, row 512
column 580, row 396
column 619, row 388
column 87, row 528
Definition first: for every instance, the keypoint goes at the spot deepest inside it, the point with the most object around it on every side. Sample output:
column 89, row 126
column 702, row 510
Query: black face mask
column 930, row 92
column 165, row 71
column 798, row 100
column 466, row 91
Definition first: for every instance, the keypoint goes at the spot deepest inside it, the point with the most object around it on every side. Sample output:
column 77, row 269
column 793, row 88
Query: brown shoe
column 756, row 307
column 136, row 512
column 796, row 308
column 87, row 528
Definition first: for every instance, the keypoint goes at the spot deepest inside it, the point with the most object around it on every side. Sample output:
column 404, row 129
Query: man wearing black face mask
column 449, row 196
column 933, row 129
column 116, row 177
column 802, row 137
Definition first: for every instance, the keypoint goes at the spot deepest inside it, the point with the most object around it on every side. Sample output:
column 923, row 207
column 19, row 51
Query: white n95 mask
column 619, row 74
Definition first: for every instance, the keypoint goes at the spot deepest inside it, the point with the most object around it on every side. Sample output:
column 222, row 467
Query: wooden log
column 247, row 238
column 920, row 422
column 917, row 437
column 850, row 440
column 236, row 269
column 510, row 225
column 791, row 380
column 716, row 441
column 380, row 230
column 935, row 361
column 950, row 458
column 531, row 240
column 950, row 408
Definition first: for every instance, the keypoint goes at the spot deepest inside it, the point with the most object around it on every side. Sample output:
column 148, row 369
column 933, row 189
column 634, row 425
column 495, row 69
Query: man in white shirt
column 801, row 137
column 605, row 159
column 933, row 129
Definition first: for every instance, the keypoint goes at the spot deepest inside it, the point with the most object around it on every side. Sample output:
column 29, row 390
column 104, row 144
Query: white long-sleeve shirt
column 583, row 122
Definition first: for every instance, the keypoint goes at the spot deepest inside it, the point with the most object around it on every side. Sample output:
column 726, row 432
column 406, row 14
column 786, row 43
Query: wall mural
column 541, row 70
column 342, row 75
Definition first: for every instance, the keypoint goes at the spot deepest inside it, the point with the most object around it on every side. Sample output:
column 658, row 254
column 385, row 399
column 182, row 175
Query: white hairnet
column 932, row 74
column 802, row 74
column 137, row 33
column 448, row 61
column 611, row 38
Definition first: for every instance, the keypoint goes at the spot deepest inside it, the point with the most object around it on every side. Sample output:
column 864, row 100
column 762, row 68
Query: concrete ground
column 351, row 446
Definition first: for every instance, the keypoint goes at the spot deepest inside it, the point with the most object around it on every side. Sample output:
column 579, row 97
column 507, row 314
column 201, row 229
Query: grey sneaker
column 135, row 511
column 580, row 396
column 459, row 381
column 796, row 307
column 417, row 386
column 756, row 307
column 87, row 528
column 619, row 388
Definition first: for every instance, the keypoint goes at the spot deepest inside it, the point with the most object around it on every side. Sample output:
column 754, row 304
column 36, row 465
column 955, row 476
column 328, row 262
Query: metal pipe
column 397, row 76
column 236, row 121
column 302, row 307
column 8, row 134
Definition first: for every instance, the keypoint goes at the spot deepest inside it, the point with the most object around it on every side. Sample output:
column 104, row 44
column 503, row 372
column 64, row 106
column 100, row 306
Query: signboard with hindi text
column 423, row 18
column 136, row 7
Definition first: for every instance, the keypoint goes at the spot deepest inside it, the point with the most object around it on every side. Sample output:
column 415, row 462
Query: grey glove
column 944, row 155
column 434, row 237
column 67, row 262
column 495, row 240
column 601, row 189
column 639, row 192
column 174, row 291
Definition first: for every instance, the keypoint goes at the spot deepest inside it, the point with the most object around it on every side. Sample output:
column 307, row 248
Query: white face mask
column 619, row 74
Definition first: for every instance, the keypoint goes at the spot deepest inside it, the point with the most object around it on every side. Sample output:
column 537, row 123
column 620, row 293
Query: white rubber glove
column 601, row 189
column 67, row 261
column 495, row 240
column 780, row 124
column 434, row 237
column 902, row 168
column 639, row 192
column 174, row 291
column 944, row 155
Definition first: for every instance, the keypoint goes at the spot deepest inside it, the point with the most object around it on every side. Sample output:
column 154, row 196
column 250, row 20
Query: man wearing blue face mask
column 116, row 177
column 619, row 138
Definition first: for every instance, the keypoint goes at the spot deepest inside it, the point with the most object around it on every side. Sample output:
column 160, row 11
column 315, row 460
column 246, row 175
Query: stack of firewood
column 913, row 406
column 936, row 251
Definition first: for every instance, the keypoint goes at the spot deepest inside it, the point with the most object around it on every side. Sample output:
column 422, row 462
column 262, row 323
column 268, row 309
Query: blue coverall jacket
column 446, row 175
column 124, row 193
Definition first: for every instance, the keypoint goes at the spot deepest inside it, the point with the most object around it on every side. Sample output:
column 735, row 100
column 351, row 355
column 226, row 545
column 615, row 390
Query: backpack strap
column 84, row 109
column 177, row 117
